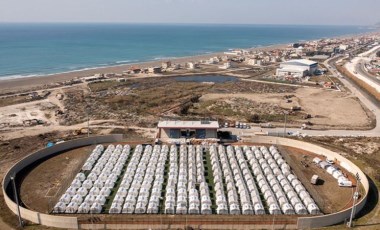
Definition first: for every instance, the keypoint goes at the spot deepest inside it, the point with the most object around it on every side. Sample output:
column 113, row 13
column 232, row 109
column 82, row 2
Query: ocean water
column 39, row 49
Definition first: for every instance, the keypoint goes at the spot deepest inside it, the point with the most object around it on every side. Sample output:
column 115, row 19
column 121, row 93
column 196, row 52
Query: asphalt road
column 372, row 104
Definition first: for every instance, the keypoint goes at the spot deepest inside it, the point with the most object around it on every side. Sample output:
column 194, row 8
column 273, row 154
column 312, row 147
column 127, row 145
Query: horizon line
column 184, row 23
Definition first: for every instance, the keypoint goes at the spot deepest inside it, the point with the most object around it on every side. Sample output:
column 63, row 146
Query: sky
column 304, row 12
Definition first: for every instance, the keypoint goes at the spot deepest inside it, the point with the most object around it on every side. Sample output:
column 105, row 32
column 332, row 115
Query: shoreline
column 11, row 84
column 8, row 85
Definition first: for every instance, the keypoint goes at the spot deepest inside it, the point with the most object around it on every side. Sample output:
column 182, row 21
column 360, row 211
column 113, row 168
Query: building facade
column 299, row 67
column 188, row 129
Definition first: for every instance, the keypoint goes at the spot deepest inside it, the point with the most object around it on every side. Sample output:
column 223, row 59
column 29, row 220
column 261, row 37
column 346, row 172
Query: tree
column 255, row 118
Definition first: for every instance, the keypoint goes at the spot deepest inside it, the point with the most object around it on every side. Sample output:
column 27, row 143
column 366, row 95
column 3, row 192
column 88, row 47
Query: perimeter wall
column 40, row 218
column 325, row 220
column 72, row 222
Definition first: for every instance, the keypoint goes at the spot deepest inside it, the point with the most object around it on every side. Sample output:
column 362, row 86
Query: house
column 154, row 70
column 166, row 65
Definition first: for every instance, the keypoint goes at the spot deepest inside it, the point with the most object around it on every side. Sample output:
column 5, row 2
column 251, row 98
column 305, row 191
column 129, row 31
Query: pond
column 207, row 78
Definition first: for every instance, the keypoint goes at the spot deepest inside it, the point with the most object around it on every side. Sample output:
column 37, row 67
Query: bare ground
column 329, row 109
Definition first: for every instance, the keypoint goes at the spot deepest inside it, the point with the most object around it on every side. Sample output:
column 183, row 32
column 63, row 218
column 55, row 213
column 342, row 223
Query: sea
column 28, row 50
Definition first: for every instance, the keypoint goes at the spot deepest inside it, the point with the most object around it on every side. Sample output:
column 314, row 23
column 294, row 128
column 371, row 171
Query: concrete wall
column 325, row 220
column 40, row 218
column 72, row 222
column 164, row 133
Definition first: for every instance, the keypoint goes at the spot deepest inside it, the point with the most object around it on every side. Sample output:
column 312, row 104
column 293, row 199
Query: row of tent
column 233, row 179
column 141, row 171
column 334, row 171
column 275, row 198
column 238, row 174
column 288, row 190
column 89, row 194
column 172, row 181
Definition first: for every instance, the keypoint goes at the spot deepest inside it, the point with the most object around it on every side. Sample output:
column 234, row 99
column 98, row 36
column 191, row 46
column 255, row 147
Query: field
column 134, row 104
column 38, row 199
column 362, row 151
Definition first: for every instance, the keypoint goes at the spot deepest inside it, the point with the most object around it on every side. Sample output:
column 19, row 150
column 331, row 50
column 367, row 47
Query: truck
column 314, row 179
column 345, row 183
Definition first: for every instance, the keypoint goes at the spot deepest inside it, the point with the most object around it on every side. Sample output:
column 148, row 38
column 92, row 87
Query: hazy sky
column 320, row 12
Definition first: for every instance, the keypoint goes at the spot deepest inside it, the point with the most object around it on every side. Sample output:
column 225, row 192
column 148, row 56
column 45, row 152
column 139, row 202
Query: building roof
column 301, row 61
column 320, row 57
column 189, row 124
column 293, row 69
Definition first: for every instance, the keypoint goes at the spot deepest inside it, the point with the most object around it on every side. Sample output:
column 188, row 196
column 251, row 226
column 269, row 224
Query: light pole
column 356, row 196
column 88, row 120
column 16, row 199
column 285, row 113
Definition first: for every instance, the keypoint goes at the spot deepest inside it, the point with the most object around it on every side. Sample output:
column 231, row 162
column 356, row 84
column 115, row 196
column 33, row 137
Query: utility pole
column 88, row 125
column 16, row 199
column 88, row 120
column 285, row 113
column 356, row 196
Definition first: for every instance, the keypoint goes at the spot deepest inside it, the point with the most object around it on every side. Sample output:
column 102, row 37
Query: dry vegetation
column 143, row 102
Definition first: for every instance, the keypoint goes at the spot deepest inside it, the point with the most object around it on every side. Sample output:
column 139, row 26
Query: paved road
column 372, row 104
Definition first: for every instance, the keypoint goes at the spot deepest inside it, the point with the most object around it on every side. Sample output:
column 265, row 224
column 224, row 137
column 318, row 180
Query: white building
column 188, row 129
column 299, row 67
column 227, row 65
column 251, row 61
column 191, row 65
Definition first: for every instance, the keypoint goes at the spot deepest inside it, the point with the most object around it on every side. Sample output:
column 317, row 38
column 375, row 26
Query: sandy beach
column 18, row 84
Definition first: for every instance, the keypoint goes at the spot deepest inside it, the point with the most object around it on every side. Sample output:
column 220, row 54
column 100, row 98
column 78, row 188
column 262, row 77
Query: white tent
column 109, row 184
column 71, row 191
column 169, row 208
column 82, row 191
column 206, row 209
column 90, row 199
column 76, row 183
column 100, row 200
column 274, row 209
column 87, row 184
column 94, row 191
column 287, row 209
column 98, row 184
column 140, row 208
column 65, row 198
column 259, row 209
column 181, row 209
column 313, row 209
column 122, row 192
column 80, row 176
column 105, row 191
column 77, row 199
column 128, row 208
column 60, row 207
column 152, row 209
column 247, row 209
column 87, row 166
column 300, row 209
column 84, row 208
column 234, row 209
column 193, row 209
column 96, row 208
column 72, row 208
column 299, row 188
